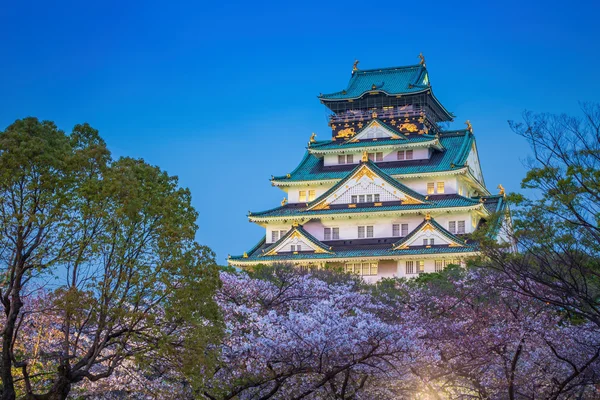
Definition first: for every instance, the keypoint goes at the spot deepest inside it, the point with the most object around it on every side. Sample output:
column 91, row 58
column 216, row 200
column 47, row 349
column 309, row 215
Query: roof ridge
column 388, row 68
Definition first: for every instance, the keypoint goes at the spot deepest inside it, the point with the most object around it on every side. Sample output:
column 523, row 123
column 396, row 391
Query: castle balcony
column 382, row 113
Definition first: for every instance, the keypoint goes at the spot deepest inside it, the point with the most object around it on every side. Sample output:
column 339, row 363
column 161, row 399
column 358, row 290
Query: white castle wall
column 388, row 155
column 382, row 227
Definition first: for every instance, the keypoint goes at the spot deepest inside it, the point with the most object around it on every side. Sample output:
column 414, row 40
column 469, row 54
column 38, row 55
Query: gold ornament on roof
column 374, row 115
column 427, row 217
column 346, row 133
column 295, row 224
column 469, row 126
column 312, row 137
column 502, row 192
column 409, row 127
column 365, row 157
column 245, row 255
column 284, row 201
column 422, row 62
column 355, row 66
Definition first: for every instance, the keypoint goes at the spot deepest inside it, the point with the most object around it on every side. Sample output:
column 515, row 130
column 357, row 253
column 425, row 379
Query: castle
column 390, row 194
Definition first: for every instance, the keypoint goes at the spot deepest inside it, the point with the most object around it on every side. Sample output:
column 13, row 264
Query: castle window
column 404, row 230
column 410, row 267
column 311, row 195
column 302, row 196
column 439, row 265
column 396, row 230
column 452, row 226
column 341, row 159
column 409, row 154
column 376, row 197
column 424, row 242
column 430, row 187
column 376, row 156
column 440, row 187
column 420, row 266
column 369, row 198
column 365, row 268
column 274, row 236
column 349, row 159
column 361, row 198
column 331, row 233
column 354, row 199
column 401, row 155
column 365, row 231
column 461, row 227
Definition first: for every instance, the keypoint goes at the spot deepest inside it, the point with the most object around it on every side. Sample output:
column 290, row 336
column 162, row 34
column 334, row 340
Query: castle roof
column 299, row 210
column 391, row 81
column 456, row 145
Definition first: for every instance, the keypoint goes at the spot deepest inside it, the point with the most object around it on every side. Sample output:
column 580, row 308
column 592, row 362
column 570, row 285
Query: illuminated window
column 302, row 196
column 439, row 265
column 311, row 195
column 430, row 187
column 420, row 266
column 440, row 187
column 365, row 268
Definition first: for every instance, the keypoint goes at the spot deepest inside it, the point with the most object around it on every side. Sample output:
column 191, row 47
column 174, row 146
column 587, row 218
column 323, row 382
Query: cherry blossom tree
column 455, row 335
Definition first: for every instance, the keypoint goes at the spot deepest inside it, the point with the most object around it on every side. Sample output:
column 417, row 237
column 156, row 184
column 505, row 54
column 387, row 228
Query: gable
column 429, row 229
column 296, row 237
column 376, row 130
column 365, row 181
column 473, row 164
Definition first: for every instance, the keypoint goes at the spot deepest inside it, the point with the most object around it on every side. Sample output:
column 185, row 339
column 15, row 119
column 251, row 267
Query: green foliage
column 119, row 235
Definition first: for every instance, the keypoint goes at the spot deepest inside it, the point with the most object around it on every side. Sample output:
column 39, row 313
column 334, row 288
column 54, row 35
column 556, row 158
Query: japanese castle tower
column 390, row 194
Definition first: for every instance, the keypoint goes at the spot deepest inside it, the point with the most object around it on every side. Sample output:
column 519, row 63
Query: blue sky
column 223, row 94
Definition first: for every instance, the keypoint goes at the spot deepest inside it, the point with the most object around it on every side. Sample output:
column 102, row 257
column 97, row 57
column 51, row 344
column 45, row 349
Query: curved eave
column 238, row 261
column 374, row 91
column 372, row 212
column 434, row 143
column 285, row 182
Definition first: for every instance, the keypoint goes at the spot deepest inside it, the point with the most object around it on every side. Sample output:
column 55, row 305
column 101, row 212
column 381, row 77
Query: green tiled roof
column 391, row 81
column 257, row 256
column 440, row 201
column 344, row 145
column 371, row 165
column 455, row 143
